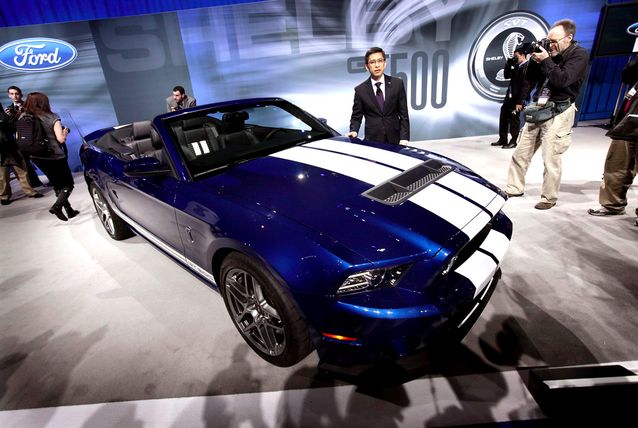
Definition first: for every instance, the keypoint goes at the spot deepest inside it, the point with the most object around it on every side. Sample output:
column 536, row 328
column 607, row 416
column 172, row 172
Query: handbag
column 537, row 114
column 626, row 129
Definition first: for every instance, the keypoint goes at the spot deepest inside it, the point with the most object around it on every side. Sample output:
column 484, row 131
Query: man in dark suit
column 515, row 98
column 14, row 111
column 382, row 101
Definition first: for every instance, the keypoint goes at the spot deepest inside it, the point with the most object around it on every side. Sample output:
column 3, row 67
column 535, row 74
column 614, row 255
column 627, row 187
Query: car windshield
column 212, row 139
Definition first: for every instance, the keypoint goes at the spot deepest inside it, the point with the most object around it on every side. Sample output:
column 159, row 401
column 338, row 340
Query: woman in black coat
column 55, row 165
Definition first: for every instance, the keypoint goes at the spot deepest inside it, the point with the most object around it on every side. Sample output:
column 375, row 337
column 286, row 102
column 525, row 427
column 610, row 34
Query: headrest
column 156, row 140
column 233, row 121
column 194, row 123
column 235, row 116
column 141, row 129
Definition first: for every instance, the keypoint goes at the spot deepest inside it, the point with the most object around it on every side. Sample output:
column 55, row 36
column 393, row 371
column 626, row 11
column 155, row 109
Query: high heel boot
column 70, row 212
column 56, row 209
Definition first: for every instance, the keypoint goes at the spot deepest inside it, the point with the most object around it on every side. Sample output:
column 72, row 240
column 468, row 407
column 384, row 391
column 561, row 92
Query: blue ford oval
column 37, row 54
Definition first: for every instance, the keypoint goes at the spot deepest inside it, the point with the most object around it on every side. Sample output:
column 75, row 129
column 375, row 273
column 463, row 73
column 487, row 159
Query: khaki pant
column 5, row 185
column 620, row 170
column 553, row 137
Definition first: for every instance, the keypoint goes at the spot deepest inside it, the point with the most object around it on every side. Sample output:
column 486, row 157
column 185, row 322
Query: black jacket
column 9, row 154
column 566, row 73
column 629, row 77
column 392, row 124
column 518, row 89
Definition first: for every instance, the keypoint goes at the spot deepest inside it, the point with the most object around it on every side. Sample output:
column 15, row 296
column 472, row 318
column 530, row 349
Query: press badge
column 543, row 97
column 630, row 93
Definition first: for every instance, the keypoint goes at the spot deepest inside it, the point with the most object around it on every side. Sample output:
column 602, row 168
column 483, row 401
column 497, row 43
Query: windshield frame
column 203, row 136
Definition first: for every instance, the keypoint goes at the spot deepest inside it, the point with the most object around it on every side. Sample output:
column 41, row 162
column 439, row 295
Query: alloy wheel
column 254, row 315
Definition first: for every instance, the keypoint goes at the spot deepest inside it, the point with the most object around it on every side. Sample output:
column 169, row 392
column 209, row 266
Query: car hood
column 325, row 186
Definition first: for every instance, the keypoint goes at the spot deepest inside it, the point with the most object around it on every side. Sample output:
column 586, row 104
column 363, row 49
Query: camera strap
column 543, row 94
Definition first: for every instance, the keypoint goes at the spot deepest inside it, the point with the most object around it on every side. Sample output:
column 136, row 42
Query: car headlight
column 372, row 279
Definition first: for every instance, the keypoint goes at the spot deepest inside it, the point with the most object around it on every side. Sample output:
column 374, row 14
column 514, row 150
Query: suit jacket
column 187, row 102
column 390, row 125
column 519, row 87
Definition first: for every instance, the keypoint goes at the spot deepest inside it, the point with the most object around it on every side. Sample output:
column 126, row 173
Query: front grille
column 399, row 188
column 471, row 247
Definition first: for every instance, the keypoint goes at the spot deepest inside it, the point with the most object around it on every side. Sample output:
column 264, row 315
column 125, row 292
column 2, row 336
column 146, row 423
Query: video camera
column 531, row 47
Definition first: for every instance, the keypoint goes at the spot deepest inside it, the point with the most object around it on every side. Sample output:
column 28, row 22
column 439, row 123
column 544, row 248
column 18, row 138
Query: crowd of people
column 557, row 74
column 550, row 75
column 52, row 162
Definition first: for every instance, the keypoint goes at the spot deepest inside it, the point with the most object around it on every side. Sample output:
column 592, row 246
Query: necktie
column 379, row 95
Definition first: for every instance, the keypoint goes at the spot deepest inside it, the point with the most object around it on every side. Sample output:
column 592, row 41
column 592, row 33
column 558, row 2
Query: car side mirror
column 144, row 167
column 323, row 120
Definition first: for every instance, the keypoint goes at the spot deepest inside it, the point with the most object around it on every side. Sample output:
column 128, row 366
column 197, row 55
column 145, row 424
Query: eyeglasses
column 376, row 61
column 556, row 41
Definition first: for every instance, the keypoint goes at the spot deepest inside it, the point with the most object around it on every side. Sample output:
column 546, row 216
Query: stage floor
column 98, row 333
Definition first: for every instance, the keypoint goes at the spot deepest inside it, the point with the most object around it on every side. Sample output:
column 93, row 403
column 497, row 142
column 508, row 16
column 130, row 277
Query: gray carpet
column 87, row 320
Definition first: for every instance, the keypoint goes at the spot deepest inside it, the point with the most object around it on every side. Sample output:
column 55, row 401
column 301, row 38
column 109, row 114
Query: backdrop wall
column 310, row 52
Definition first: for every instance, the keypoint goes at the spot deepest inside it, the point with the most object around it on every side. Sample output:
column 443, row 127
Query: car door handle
column 190, row 235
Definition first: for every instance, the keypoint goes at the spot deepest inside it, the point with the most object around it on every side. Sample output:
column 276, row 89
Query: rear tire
column 263, row 312
column 114, row 226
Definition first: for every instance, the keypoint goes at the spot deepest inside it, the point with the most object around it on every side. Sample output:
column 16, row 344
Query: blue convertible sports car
column 357, row 249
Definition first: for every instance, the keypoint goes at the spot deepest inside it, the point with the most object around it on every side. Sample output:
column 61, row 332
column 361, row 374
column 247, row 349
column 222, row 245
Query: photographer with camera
column 515, row 98
column 562, row 65
column 179, row 100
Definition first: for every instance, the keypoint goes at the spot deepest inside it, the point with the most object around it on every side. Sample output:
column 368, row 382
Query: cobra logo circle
column 37, row 54
column 633, row 29
column 495, row 44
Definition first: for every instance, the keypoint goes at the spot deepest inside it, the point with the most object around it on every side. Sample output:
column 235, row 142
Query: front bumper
column 395, row 322
column 392, row 338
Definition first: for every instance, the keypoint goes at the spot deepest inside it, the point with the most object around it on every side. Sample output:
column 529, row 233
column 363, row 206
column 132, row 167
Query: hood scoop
column 399, row 188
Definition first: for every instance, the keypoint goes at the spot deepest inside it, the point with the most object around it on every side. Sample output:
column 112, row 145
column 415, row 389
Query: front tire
column 114, row 226
column 262, row 311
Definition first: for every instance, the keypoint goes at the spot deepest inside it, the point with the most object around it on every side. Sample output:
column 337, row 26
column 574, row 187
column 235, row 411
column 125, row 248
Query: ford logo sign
column 37, row 54
column 633, row 29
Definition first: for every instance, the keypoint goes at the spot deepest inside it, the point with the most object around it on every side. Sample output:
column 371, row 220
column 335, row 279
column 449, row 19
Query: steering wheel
column 273, row 132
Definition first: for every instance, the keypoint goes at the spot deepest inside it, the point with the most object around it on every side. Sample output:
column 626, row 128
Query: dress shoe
column 57, row 211
column 36, row 195
column 5, row 201
column 603, row 212
column 513, row 195
column 544, row 205
column 498, row 143
column 511, row 145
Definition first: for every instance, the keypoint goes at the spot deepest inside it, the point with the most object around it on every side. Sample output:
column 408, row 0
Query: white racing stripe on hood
column 496, row 204
column 452, row 208
column 396, row 160
column 468, row 188
column 459, row 183
column 477, row 224
column 362, row 170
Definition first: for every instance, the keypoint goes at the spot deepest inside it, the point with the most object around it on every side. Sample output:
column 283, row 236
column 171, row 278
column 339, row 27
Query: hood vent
column 399, row 188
